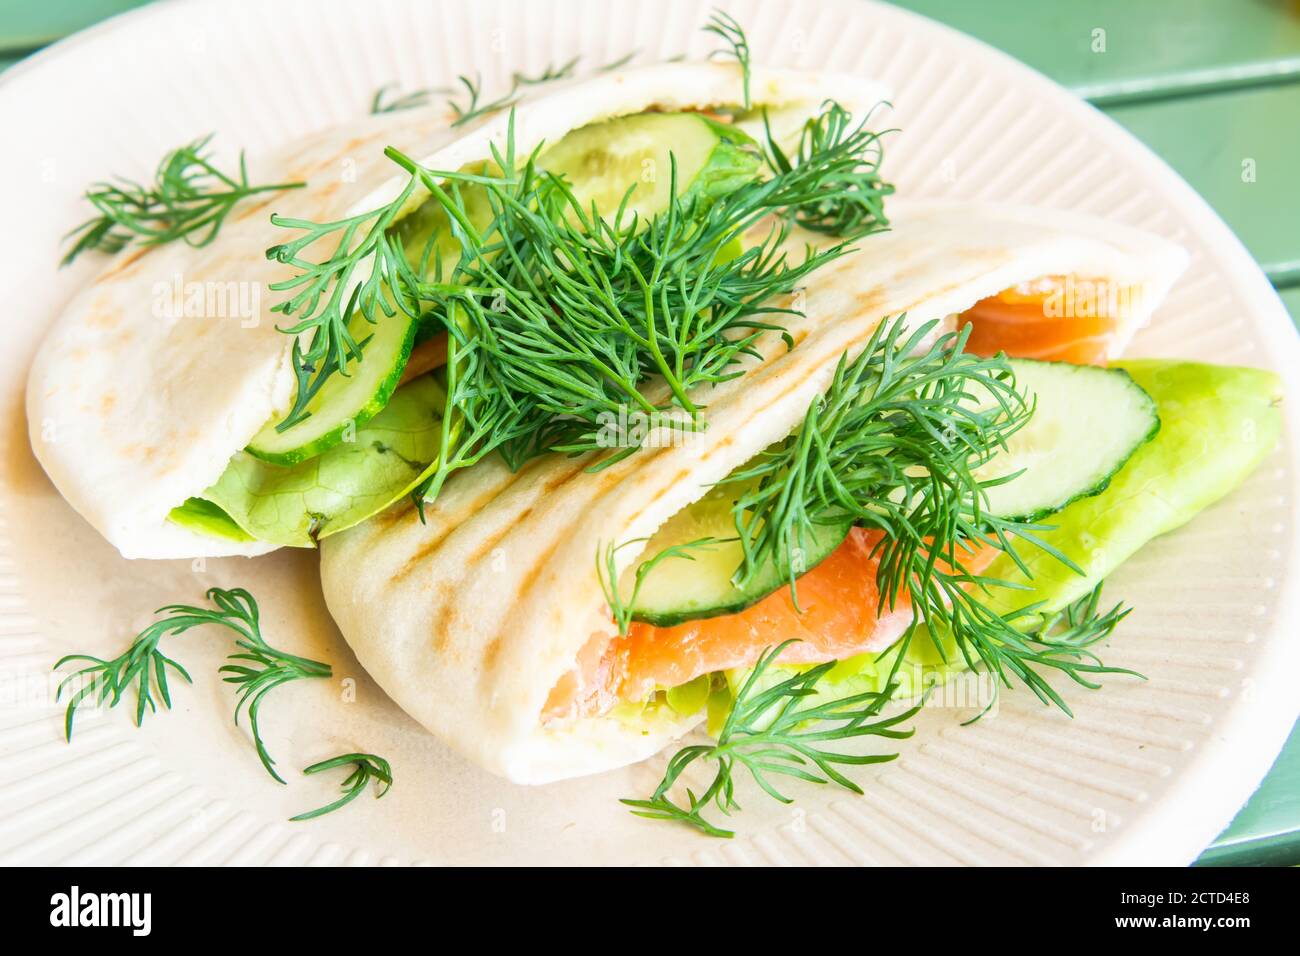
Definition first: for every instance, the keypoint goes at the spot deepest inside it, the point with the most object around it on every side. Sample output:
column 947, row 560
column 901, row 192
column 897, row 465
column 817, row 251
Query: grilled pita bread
column 469, row 619
column 131, row 413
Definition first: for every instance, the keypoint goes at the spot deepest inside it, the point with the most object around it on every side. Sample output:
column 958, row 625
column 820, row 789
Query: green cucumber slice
column 698, row 584
column 346, row 402
column 429, row 222
column 297, row 505
column 603, row 160
column 1087, row 421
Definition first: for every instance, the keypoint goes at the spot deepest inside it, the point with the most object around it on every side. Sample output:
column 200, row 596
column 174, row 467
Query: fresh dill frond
column 366, row 767
column 847, row 198
column 1079, row 625
column 552, row 72
column 557, row 316
column 895, row 444
column 402, row 101
column 146, row 666
column 325, row 298
column 622, row 61
column 895, row 437
column 773, row 732
column 583, row 309
column 472, row 109
column 769, row 732
column 724, row 25
column 1060, row 641
column 257, row 668
column 189, row 199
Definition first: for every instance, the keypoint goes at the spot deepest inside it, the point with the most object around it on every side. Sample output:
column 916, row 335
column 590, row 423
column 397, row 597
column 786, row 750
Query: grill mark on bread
column 443, row 627
column 436, row 539
column 606, row 482
column 125, row 264
column 251, row 209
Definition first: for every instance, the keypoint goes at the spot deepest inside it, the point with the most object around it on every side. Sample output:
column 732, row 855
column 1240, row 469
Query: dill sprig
column 720, row 23
column 325, row 297
column 189, row 199
column 622, row 61
column 366, row 767
column 724, row 25
column 557, row 316
column 402, row 101
column 561, row 317
column 552, row 72
column 1060, row 641
column 1078, row 626
column 474, row 107
column 562, row 314
column 773, row 732
column 848, row 199
column 897, row 435
column 145, row 666
column 767, row 731
column 257, row 668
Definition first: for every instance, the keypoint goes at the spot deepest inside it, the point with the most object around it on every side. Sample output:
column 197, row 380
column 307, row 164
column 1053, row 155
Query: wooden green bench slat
column 1291, row 299
column 1151, row 47
column 26, row 24
column 1240, row 150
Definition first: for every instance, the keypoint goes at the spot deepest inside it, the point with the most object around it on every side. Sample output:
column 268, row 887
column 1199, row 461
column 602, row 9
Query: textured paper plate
column 1146, row 773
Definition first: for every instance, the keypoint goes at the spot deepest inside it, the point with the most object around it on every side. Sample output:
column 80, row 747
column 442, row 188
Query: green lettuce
column 297, row 505
column 203, row 517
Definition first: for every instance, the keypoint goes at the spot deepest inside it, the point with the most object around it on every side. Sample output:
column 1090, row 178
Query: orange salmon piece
column 1036, row 321
column 838, row 617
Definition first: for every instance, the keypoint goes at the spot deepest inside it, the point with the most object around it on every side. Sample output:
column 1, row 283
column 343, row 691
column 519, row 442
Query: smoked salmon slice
column 1057, row 318
column 838, row 617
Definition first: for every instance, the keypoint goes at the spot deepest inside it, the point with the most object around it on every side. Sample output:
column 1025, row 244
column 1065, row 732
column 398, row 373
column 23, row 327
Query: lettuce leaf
column 204, row 517
column 297, row 505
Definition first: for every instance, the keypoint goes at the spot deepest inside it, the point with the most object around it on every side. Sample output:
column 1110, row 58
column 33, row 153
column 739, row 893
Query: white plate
column 1147, row 773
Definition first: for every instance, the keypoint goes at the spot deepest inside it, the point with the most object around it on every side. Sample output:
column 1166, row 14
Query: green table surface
column 1210, row 85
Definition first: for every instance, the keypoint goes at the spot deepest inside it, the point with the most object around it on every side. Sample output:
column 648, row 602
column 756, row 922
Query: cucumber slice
column 1087, row 421
column 603, row 160
column 346, row 402
column 698, row 584
column 429, row 221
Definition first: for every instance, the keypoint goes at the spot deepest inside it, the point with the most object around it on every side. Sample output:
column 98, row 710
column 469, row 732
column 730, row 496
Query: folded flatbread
column 470, row 619
column 133, row 410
